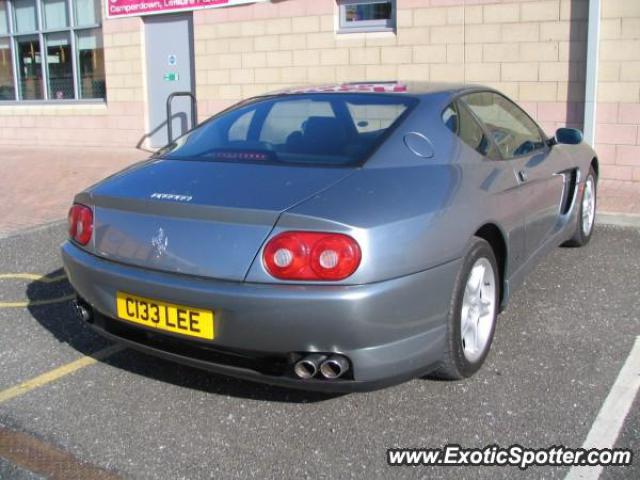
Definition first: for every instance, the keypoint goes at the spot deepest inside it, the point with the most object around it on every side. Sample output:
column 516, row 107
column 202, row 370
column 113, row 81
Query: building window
column 51, row 50
column 367, row 15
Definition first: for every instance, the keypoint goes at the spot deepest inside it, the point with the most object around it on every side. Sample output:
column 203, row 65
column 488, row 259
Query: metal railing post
column 194, row 112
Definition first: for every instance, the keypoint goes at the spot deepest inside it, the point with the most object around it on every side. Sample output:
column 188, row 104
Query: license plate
column 168, row 317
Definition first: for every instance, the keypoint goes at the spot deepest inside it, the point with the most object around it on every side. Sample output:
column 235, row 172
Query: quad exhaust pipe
column 84, row 312
column 309, row 365
column 330, row 368
column 334, row 367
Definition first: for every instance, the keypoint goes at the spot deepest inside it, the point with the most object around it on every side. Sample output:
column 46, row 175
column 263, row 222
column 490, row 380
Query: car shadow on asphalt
column 62, row 321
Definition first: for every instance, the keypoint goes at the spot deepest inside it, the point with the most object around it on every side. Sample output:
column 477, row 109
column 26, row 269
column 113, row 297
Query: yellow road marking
column 35, row 303
column 58, row 373
column 34, row 278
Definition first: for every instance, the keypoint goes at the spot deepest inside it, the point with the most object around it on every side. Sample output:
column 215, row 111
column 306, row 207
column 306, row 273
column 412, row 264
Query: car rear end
column 187, row 257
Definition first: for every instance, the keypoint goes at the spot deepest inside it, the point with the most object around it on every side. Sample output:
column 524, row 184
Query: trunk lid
column 199, row 218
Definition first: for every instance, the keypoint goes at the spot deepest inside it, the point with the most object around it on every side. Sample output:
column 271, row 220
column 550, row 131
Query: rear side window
column 461, row 122
column 240, row 128
column 315, row 128
column 514, row 133
column 369, row 118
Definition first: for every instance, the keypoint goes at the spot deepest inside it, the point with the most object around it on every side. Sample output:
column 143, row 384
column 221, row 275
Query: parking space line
column 607, row 425
column 36, row 303
column 58, row 373
column 34, row 278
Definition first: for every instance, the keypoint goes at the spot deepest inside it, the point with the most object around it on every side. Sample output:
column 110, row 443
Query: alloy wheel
column 478, row 310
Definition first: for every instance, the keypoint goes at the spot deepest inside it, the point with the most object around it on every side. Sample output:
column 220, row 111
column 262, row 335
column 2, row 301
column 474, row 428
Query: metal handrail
column 194, row 112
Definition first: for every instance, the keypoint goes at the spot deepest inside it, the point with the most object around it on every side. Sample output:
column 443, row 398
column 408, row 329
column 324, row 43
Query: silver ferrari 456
column 338, row 238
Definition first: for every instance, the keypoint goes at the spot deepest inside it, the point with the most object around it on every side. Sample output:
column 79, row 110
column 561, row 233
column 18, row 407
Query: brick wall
column 534, row 51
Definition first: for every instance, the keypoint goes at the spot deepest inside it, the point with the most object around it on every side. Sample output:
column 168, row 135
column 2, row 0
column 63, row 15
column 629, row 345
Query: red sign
column 128, row 8
column 382, row 87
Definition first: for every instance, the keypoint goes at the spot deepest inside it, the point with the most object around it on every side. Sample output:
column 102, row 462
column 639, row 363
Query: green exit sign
column 171, row 77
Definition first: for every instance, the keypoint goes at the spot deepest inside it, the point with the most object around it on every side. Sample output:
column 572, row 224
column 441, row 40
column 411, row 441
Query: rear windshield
column 326, row 129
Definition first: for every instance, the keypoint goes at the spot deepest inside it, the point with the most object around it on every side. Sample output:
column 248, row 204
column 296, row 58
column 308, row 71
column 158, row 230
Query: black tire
column 454, row 364
column 580, row 238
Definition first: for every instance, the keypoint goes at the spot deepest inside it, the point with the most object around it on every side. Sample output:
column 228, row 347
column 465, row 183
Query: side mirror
column 570, row 136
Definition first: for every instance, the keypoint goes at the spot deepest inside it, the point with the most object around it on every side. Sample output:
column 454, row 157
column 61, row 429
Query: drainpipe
column 591, row 84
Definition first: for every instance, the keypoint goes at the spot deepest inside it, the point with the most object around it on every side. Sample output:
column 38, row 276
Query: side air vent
column 570, row 181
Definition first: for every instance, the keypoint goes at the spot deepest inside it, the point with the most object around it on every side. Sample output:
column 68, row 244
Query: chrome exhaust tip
column 84, row 312
column 334, row 367
column 308, row 366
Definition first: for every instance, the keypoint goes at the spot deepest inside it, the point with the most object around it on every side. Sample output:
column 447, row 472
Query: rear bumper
column 390, row 331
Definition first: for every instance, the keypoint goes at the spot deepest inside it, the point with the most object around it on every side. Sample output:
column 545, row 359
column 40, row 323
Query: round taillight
column 328, row 259
column 80, row 223
column 335, row 257
column 283, row 257
column 311, row 256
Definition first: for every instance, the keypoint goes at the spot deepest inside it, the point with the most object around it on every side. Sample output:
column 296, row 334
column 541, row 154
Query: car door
column 490, row 173
column 521, row 143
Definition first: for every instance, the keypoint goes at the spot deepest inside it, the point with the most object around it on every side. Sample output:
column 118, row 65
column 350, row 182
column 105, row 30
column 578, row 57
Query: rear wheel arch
column 492, row 234
column 473, row 308
column 595, row 164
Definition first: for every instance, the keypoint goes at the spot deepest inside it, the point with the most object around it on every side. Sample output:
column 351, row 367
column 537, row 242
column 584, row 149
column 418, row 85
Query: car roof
column 395, row 87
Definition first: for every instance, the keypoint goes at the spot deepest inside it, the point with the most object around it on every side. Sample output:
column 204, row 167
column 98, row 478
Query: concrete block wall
column 533, row 51
column 618, row 109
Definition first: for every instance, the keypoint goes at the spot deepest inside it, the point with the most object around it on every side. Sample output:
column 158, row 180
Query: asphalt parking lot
column 558, row 350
